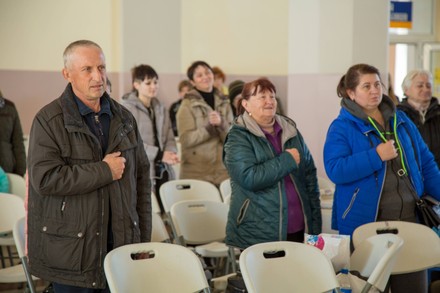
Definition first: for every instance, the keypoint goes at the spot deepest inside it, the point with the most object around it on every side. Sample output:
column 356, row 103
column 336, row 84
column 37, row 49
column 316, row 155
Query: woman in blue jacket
column 275, row 194
column 378, row 161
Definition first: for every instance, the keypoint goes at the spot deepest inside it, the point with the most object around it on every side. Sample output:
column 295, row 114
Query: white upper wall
column 246, row 37
column 35, row 33
column 329, row 36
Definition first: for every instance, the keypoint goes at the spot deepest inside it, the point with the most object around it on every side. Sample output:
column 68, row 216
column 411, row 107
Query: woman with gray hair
column 422, row 108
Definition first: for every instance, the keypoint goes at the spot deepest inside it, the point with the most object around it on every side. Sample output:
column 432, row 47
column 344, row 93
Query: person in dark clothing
column 89, row 178
column 12, row 151
column 422, row 108
column 184, row 87
column 235, row 89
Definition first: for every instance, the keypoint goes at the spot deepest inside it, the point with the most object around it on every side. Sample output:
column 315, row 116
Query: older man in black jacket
column 89, row 184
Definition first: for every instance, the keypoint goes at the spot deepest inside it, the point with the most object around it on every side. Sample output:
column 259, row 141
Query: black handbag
column 428, row 209
column 236, row 284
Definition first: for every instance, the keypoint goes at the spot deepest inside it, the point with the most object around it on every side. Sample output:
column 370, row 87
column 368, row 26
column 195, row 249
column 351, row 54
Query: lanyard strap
column 399, row 147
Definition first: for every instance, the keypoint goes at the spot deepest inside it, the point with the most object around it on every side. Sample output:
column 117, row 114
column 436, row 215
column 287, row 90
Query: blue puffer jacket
column 352, row 163
column 258, row 210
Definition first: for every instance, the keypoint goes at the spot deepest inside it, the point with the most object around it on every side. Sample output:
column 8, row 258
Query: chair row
column 381, row 249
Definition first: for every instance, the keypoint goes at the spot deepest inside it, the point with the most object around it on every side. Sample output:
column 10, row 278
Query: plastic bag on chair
column 335, row 247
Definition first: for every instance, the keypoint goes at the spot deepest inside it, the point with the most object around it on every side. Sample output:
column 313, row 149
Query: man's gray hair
column 72, row 46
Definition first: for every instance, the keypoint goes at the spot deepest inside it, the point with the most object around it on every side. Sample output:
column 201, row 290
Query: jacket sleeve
column 311, row 187
column 343, row 162
column 190, row 134
column 240, row 159
column 18, row 145
column 143, row 188
column 49, row 171
column 168, row 134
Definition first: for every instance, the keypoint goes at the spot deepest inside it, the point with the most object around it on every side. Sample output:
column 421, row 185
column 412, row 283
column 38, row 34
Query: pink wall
column 309, row 99
column 313, row 104
column 31, row 90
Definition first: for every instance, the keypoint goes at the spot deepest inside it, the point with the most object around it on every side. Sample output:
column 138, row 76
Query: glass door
column 431, row 62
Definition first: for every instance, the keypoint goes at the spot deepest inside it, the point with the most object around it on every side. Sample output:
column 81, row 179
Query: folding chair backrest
column 187, row 189
column 17, row 185
column 286, row 267
column 200, row 221
column 375, row 258
column 11, row 210
column 169, row 268
column 420, row 251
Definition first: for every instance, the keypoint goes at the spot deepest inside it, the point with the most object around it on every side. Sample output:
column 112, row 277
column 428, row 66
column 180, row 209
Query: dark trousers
column 161, row 179
column 61, row 288
column 296, row 237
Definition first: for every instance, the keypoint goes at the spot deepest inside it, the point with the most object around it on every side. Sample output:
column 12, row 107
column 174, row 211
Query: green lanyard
column 399, row 147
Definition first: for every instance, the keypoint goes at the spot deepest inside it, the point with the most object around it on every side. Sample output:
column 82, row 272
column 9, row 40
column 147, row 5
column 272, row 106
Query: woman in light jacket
column 203, row 120
column 154, row 126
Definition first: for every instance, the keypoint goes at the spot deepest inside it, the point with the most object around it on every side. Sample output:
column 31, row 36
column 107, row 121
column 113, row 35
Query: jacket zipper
column 353, row 198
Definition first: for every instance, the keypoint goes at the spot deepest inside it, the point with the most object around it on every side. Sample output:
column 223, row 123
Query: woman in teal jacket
column 275, row 195
column 378, row 161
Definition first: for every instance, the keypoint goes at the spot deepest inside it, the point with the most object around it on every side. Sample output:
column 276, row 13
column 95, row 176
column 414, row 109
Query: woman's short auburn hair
column 252, row 88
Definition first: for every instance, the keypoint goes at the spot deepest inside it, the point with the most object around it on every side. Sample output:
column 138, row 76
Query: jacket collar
column 287, row 125
column 72, row 115
column 351, row 111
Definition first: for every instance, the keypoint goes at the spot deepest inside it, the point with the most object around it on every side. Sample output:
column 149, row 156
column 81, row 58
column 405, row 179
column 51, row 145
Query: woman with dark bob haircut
column 275, row 194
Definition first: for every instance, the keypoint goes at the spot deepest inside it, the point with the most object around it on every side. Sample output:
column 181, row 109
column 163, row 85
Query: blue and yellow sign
column 401, row 14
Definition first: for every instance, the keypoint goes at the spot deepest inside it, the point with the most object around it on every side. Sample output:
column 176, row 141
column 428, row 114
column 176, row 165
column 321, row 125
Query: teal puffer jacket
column 258, row 211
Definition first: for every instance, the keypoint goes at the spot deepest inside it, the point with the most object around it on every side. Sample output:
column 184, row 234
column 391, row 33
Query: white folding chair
column 13, row 273
column 166, row 268
column 202, row 224
column 159, row 232
column 225, row 188
column 17, row 185
column 20, row 242
column 11, row 210
column 421, row 250
column 284, row 266
column 186, row 189
column 375, row 258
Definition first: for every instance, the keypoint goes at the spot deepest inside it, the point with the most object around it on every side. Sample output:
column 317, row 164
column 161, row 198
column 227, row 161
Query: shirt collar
column 84, row 110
